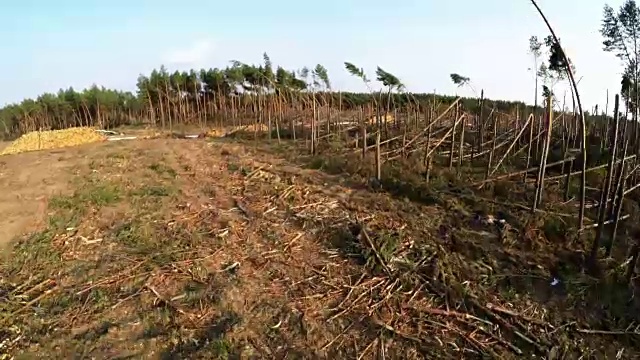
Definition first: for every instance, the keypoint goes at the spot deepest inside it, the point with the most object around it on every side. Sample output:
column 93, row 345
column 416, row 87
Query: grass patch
column 97, row 195
column 152, row 191
column 163, row 169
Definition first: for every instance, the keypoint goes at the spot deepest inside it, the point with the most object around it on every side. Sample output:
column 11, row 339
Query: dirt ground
column 27, row 180
column 104, row 204
column 213, row 249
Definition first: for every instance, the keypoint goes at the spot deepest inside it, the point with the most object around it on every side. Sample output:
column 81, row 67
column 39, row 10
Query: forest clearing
column 236, row 248
column 256, row 212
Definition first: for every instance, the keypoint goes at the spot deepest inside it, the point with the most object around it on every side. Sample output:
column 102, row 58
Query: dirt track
column 27, row 180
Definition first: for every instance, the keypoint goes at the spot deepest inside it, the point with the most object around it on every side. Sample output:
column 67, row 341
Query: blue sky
column 46, row 45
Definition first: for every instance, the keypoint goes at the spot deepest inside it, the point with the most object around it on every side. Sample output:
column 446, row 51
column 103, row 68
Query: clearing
column 177, row 249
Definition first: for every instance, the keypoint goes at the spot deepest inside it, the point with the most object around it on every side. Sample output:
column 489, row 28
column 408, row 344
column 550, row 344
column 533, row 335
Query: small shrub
column 555, row 230
column 502, row 189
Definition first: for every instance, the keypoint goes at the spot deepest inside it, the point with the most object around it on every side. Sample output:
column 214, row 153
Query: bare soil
column 165, row 249
column 27, row 180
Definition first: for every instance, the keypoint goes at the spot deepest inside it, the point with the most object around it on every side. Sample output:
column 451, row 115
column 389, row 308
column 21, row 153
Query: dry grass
column 196, row 249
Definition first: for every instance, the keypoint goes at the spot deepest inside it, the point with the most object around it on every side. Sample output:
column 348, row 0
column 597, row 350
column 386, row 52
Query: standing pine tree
column 621, row 33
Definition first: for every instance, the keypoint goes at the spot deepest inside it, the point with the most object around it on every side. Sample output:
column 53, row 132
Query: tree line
column 200, row 96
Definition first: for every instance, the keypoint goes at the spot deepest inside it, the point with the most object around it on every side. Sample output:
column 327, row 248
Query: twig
column 337, row 337
column 33, row 289
column 364, row 352
column 113, row 278
column 288, row 246
column 27, row 305
column 167, row 302
column 128, row 298
column 511, row 328
column 395, row 331
column 245, row 211
column 606, row 332
column 514, row 314
column 375, row 251
column 457, row 314
column 254, row 172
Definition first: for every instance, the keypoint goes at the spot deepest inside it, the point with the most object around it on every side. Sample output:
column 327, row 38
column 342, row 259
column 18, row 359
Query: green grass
column 163, row 169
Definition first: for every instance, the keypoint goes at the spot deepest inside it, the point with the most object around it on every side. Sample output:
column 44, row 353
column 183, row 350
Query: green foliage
column 355, row 71
column 628, row 89
column 459, row 79
column 555, row 68
column 535, row 46
column 69, row 108
column 558, row 62
column 162, row 95
column 268, row 70
column 321, row 73
column 547, row 92
column 620, row 32
column 389, row 80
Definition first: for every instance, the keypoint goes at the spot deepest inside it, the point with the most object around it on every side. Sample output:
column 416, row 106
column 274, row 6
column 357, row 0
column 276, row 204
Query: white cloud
column 197, row 54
